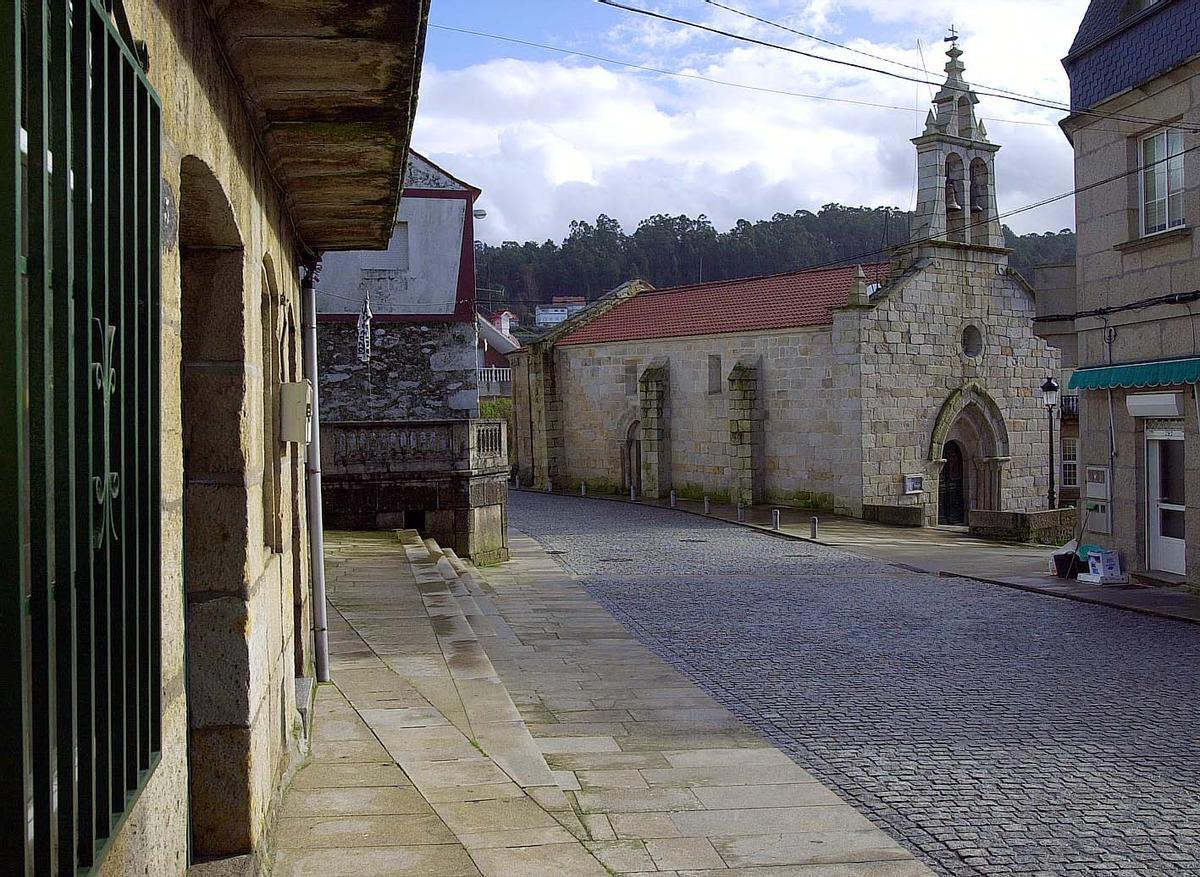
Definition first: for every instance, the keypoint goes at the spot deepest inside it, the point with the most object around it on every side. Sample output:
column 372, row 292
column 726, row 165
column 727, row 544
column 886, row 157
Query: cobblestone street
column 991, row 731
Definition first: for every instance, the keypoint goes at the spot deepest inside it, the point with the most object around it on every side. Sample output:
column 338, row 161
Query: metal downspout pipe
column 316, row 524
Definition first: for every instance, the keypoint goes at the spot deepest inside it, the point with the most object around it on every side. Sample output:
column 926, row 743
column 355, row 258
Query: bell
column 977, row 208
column 954, row 205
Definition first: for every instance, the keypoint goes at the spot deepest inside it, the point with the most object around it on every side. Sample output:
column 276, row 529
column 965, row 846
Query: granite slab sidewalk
column 503, row 724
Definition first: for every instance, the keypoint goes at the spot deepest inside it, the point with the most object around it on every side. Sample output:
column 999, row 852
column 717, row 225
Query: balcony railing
column 414, row 447
column 1070, row 404
column 495, row 381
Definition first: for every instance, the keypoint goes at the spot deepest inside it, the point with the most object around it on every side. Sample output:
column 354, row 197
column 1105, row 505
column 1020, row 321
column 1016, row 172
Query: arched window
column 955, row 208
column 981, row 201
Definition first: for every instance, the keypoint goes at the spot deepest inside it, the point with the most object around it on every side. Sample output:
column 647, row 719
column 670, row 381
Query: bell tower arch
column 956, row 200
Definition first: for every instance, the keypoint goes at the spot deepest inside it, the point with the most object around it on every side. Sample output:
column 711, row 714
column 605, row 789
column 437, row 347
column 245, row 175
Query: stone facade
column 238, row 209
column 1119, row 263
column 831, row 413
column 230, row 300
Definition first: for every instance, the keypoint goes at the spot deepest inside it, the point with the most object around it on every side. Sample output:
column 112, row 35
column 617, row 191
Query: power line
column 1037, row 102
column 698, row 78
column 1063, row 106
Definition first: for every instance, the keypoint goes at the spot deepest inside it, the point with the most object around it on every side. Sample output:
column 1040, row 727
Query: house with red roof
column 904, row 390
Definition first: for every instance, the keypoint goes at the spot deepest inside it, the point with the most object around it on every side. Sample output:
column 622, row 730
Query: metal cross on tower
column 953, row 37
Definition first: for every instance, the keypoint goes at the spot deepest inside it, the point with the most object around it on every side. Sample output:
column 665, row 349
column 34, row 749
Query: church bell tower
column 956, row 200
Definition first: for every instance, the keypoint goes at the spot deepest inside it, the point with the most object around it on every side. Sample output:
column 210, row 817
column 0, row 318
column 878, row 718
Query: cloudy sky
column 552, row 137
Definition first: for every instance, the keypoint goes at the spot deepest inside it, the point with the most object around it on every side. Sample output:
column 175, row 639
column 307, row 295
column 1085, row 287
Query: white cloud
column 562, row 139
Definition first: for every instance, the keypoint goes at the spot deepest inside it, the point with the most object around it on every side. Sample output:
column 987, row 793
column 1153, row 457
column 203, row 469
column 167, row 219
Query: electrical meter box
column 1096, row 499
column 296, row 412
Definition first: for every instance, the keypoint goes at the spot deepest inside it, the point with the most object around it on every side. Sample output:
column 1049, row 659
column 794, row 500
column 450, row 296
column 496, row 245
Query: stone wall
column 914, row 362
column 417, row 371
column 1044, row 527
column 809, row 444
column 246, row 627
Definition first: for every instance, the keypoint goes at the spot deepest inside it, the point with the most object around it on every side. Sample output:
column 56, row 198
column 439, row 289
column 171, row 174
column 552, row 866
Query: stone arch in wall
column 215, row 403
column 631, row 458
column 956, row 208
column 981, row 199
column 271, row 325
column 971, row 422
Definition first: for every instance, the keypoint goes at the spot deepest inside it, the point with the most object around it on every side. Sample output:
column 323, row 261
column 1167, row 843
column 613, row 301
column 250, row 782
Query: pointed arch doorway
column 951, row 486
column 968, row 450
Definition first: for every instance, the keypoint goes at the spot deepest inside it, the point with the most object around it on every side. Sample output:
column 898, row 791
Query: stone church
column 905, row 391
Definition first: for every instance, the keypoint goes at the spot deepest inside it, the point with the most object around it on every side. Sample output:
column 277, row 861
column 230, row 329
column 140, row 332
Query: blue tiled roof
column 1114, row 52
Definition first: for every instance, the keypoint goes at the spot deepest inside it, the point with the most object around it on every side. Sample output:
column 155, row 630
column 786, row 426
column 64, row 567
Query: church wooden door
column 951, row 492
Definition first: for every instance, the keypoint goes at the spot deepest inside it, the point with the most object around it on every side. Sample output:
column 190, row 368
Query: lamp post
column 1050, row 400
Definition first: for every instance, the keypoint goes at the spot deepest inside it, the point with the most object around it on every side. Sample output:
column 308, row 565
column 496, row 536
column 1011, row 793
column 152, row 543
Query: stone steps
column 487, row 713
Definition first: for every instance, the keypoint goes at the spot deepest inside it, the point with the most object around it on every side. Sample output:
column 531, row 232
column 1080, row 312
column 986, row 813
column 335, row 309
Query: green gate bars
column 80, row 599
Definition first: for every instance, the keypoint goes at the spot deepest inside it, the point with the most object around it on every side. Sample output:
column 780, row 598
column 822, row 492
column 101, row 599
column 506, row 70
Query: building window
column 1070, row 462
column 1161, row 156
column 972, row 341
column 714, row 375
column 1135, row 6
column 400, row 247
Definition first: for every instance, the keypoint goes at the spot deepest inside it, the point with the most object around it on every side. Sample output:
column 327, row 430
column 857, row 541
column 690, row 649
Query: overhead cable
column 1037, row 102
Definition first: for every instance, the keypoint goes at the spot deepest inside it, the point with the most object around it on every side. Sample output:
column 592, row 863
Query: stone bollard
column 583, row 488
column 549, row 486
column 672, row 499
column 814, row 525
column 706, row 505
column 632, row 493
column 517, row 482
column 741, row 513
column 775, row 519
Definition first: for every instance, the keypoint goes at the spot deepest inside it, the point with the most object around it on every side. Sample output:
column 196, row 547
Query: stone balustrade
column 414, row 447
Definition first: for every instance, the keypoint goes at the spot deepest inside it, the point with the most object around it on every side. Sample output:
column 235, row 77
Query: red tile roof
column 779, row 301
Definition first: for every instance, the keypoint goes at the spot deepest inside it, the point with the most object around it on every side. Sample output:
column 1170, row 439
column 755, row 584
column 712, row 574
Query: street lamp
column 1050, row 400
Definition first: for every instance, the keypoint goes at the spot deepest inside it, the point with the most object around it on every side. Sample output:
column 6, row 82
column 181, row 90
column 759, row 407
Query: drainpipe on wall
column 316, row 525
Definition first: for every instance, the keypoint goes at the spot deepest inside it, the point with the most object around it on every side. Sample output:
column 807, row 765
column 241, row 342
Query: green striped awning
column 1160, row 373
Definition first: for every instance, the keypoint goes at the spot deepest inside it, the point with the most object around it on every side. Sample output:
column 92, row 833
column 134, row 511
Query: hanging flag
column 364, row 329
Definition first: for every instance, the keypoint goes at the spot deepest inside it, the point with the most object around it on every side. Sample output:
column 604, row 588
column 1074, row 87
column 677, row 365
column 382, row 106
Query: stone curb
column 1078, row 598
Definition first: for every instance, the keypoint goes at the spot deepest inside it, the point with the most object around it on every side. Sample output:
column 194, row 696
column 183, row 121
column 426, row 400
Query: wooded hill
column 673, row 250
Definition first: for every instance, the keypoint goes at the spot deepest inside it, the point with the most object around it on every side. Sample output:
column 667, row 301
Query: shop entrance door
column 1165, row 500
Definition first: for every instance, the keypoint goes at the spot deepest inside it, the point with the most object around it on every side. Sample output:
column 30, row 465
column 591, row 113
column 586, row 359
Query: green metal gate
column 79, row 432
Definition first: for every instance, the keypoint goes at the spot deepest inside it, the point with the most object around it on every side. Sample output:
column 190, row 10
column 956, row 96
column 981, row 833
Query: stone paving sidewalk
column 948, row 551
column 504, row 725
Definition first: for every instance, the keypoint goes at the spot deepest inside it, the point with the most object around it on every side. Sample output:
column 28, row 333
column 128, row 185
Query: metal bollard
column 549, row 486
column 583, row 488
column 775, row 519
column 518, row 482
column 672, row 499
column 632, row 493
column 741, row 513
column 706, row 506
column 814, row 525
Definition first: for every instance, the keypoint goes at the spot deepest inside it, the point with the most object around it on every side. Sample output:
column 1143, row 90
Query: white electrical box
column 1096, row 499
column 296, row 412
column 914, row 484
